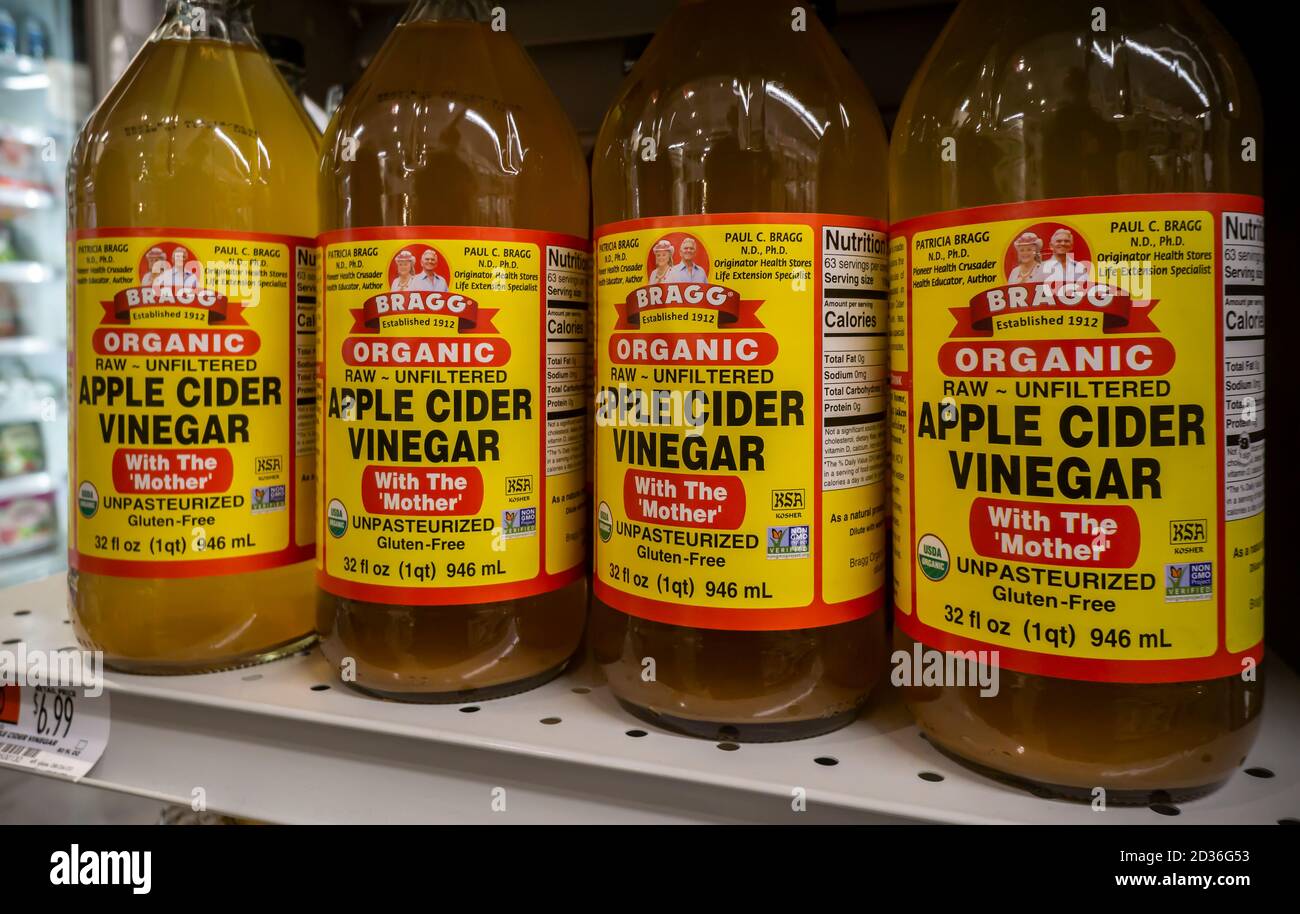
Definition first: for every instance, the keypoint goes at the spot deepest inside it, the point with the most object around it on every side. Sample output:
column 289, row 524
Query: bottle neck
column 446, row 10
column 227, row 21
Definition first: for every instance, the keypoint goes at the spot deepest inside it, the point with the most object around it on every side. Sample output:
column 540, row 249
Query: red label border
column 294, row 552
column 544, row 581
column 817, row 613
column 1223, row 662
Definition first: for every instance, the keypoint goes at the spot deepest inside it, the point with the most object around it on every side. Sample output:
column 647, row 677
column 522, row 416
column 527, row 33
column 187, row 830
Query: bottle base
column 721, row 731
column 215, row 665
column 463, row 696
column 1113, row 796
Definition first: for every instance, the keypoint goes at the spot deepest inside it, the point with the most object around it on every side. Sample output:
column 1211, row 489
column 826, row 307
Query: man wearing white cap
column 1029, row 260
column 687, row 270
column 404, row 281
column 663, row 253
column 1061, row 267
column 155, row 265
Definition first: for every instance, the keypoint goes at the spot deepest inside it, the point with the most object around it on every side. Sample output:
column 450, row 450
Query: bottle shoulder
column 775, row 118
column 453, row 125
column 180, row 108
column 1159, row 99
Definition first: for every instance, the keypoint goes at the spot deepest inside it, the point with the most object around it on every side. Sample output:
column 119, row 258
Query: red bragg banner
column 220, row 309
column 733, row 311
column 469, row 316
column 1119, row 311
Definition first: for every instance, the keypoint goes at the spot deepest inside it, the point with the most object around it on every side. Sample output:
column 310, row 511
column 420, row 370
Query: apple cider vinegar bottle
column 1078, row 306
column 739, row 187
column 455, row 287
column 192, row 209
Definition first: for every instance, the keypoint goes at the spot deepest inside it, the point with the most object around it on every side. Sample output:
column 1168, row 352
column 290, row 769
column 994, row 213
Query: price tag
column 50, row 730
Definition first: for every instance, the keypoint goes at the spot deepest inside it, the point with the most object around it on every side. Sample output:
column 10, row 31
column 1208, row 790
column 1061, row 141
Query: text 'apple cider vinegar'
column 456, row 281
column 192, row 253
column 739, row 187
column 1078, row 388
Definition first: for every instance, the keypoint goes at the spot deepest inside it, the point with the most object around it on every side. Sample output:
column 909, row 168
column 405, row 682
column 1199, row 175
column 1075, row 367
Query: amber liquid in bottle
column 1059, row 110
column 452, row 125
column 155, row 154
column 749, row 115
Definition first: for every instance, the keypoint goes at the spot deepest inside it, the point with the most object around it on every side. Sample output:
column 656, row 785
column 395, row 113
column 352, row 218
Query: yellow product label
column 191, row 381
column 741, row 375
column 1078, row 427
column 453, row 409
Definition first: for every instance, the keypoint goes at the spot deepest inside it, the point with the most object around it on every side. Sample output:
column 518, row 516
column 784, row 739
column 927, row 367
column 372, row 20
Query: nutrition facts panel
column 304, row 350
column 567, row 309
column 1243, row 364
column 855, row 357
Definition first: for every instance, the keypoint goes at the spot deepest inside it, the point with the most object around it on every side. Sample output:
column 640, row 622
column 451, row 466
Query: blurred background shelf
column 18, row 197
column 14, row 272
column 24, row 345
column 26, row 484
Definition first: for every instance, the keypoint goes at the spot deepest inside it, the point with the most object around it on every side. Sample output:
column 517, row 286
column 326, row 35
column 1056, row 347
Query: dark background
column 583, row 48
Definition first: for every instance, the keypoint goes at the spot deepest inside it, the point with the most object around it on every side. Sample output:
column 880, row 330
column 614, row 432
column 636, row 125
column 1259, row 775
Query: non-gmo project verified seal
column 787, row 542
column 1189, row 581
column 519, row 522
column 267, row 498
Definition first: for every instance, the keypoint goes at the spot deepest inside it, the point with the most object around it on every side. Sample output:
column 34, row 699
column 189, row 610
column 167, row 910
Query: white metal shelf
column 269, row 743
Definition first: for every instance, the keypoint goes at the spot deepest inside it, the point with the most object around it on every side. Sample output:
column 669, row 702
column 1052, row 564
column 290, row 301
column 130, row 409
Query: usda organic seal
column 932, row 557
column 336, row 518
column 605, row 522
column 87, row 499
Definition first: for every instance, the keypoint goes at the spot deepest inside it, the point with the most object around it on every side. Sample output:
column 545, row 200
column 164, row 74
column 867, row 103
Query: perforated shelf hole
column 470, row 709
column 932, row 776
column 728, row 747
column 550, row 721
column 826, row 760
column 1165, row 809
column 22, row 612
column 637, row 734
column 1260, row 772
column 320, row 687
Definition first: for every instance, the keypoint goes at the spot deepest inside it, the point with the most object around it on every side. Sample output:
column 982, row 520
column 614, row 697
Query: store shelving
column 14, row 272
column 20, row 569
column 285, row 742
column 24, row 345
column 24, row 197
column 26, row 484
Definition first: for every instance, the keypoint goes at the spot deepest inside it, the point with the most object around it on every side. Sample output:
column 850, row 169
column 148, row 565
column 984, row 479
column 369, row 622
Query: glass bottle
column 195, row 156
